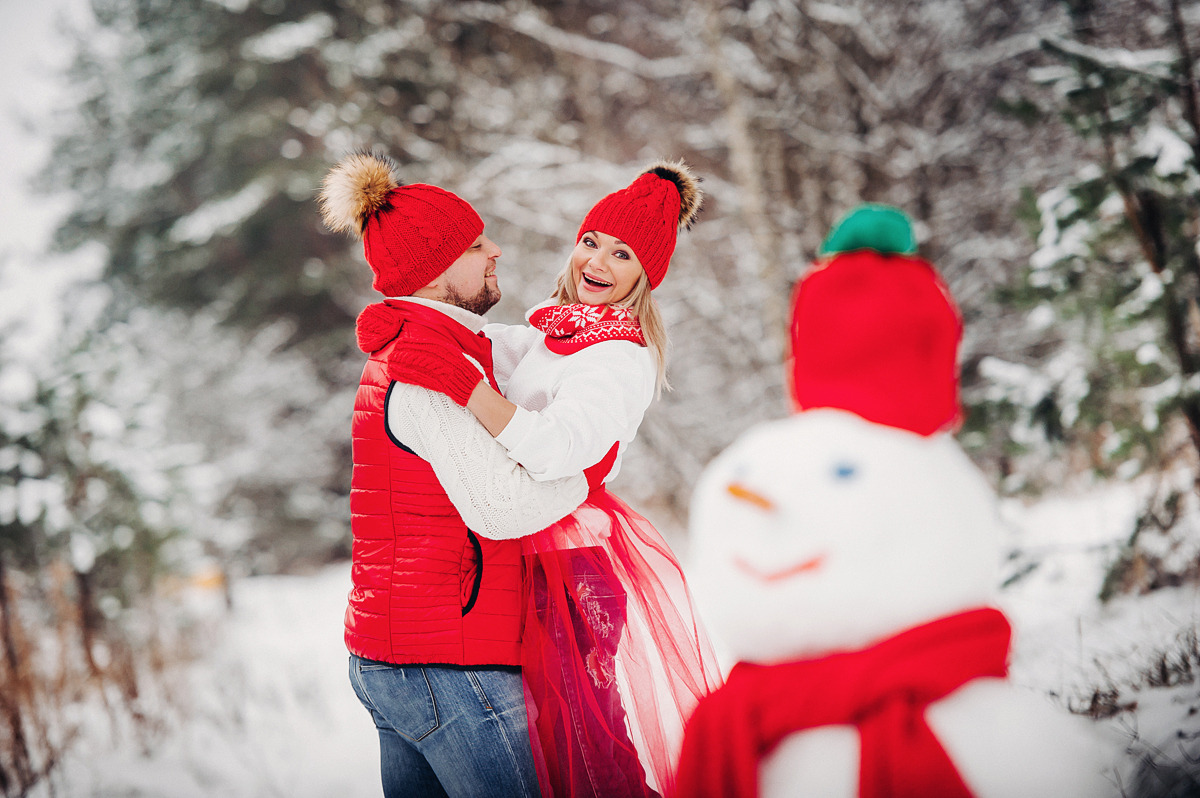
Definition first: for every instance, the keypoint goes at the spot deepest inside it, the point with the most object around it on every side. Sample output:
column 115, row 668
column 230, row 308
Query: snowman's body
column 1005, row 742
column 825, row 533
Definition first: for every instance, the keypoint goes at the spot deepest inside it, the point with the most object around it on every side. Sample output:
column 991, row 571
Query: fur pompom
column 356, row 188
column 690, row 195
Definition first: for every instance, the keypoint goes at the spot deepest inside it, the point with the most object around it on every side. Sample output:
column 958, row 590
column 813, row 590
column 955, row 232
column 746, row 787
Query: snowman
column 847, row 558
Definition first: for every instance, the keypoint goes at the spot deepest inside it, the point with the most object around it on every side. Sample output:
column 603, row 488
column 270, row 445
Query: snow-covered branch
column 529, row 23
column 1154, row 64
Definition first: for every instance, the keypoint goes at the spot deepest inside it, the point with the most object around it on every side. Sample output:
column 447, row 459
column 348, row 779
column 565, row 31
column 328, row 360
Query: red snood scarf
column 883, row 690
column 381, row 322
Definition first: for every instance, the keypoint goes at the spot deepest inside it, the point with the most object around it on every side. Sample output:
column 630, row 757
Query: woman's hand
column 491, row 408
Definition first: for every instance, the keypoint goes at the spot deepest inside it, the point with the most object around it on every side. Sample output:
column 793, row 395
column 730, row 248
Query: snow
column 1056, row 244
column 268, row 710
column 1171, row 154
column 28, row 278
column 1064, row 376
column 1149, row 291
column 286, row 40
column 1069, row 646
column 1151, row 63
column 215, row 217
column 25, row 84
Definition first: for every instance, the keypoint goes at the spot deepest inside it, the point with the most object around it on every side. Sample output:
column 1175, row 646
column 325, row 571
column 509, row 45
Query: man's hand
column 435, row 364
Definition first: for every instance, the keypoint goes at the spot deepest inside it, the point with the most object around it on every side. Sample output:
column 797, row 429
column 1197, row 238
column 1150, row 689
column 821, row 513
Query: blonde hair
column 644, row 308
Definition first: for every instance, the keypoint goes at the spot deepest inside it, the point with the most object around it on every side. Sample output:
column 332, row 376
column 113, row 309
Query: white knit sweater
column 572, row 408
column 495, row 496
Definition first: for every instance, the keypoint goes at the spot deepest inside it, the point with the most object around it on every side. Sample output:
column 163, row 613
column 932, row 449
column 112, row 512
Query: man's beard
column 478, row 304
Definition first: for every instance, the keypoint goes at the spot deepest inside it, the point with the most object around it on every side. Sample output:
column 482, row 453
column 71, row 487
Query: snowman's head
column 825, row 532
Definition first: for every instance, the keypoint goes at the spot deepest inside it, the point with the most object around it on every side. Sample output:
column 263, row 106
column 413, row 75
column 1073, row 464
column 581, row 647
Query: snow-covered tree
column 203, row 129
column 1112, row 288
column 1116, row 264
column 87, row 495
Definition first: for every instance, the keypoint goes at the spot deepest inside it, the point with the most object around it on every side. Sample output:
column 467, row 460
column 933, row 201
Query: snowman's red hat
column 874, row 329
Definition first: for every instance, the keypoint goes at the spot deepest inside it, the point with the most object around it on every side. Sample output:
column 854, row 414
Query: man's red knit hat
column 647, row 214
column 874, row 329
column 411, row 234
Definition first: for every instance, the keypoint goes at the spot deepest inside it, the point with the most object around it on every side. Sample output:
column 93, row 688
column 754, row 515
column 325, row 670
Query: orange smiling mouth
column 802, row 567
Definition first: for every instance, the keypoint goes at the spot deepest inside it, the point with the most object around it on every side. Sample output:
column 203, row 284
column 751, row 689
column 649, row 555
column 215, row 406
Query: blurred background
column 177, row 360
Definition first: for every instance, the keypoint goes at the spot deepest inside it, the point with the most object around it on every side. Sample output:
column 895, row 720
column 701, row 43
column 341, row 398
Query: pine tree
column 205, row 127
column 193, row 156
column 1115, row 274
column 85, row 533
column 1114, row 283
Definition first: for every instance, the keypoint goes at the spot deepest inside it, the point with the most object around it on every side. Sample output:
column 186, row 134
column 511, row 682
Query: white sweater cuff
column 517, row 429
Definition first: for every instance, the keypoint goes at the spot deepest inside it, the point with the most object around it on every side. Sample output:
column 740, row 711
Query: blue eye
column 845, row 471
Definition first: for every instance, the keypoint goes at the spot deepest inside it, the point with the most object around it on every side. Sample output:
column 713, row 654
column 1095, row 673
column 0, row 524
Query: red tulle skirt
column 614, row 656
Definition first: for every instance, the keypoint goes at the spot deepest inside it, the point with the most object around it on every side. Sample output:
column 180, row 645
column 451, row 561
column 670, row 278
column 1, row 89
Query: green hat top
column 881, row 228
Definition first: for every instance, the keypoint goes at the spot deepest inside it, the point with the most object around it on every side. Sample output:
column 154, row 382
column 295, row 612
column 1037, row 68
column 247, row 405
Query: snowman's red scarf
column 882, row 690
column 569, row 328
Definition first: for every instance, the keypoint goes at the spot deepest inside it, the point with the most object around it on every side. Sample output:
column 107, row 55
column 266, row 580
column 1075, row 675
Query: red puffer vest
column 426, row 590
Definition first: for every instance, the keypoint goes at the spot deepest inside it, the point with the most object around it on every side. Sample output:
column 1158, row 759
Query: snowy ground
column 1069, row 646
column 270, row 713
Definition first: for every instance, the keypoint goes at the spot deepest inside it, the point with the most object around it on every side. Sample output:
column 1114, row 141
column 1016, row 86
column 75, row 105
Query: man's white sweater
column 495, row 496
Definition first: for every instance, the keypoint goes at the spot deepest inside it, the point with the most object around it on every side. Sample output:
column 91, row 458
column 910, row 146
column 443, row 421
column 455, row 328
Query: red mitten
column 436, row 364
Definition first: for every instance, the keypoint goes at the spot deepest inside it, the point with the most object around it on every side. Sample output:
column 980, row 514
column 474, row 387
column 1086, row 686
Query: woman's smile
column 595, row 282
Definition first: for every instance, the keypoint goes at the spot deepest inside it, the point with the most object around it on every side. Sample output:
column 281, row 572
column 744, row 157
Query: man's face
column 470, row 282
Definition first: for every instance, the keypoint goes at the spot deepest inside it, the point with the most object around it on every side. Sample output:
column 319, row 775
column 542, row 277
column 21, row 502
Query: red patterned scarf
column 569, row 328
column 883, row 690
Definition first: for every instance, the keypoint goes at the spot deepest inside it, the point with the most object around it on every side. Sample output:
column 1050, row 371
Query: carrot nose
column 742, row 493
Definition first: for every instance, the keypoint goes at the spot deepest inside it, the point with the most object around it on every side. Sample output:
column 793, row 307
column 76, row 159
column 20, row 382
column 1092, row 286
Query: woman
column 611, row 639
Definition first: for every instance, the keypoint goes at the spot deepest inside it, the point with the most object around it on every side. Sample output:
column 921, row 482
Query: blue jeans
column 448, row 732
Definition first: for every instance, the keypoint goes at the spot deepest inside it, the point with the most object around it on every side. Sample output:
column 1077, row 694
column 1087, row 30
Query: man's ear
column 431, row 290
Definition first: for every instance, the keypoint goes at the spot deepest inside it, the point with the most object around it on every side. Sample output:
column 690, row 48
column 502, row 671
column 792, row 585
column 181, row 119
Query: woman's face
column 604, row 268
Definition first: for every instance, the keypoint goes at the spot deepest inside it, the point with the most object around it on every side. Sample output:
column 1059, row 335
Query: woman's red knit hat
column 647, row 214
column 875, row 330
column 411, row 234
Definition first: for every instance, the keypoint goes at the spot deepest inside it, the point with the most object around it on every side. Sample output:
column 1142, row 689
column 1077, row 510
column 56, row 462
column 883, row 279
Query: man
column 433, row 623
